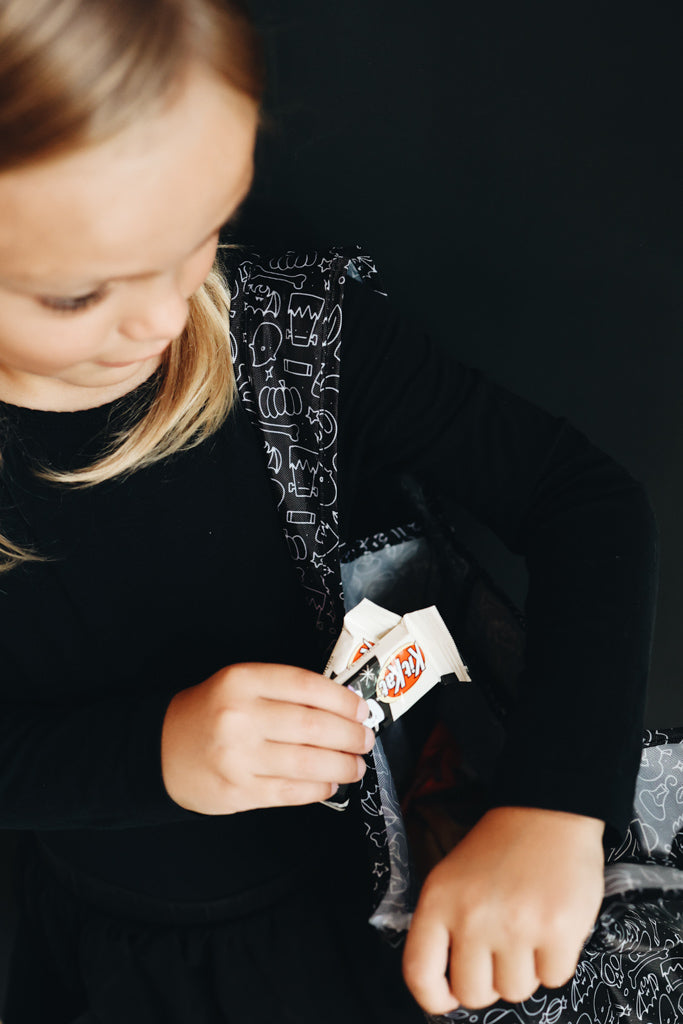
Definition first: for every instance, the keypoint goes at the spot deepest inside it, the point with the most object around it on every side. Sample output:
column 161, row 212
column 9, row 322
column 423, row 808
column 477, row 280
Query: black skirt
column 87, row 953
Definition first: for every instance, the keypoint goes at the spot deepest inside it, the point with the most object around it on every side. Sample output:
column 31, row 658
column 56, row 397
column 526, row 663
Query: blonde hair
column 74, row 73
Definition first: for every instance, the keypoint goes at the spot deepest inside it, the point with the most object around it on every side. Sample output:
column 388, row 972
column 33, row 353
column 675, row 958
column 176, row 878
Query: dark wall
column 515, row 170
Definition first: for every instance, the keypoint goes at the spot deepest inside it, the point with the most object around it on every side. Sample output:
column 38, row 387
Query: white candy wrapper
column 363, row 626
column 403, row 666
column 399, row 668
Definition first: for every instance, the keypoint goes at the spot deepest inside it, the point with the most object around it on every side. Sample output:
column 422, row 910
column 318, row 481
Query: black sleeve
column 88, row 763
column 584, row 526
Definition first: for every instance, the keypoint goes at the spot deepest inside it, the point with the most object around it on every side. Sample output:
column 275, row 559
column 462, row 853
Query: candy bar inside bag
column 403, row 665
column 398, row 667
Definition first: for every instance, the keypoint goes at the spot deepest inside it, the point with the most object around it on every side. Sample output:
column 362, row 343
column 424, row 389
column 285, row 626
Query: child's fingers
column 514, row 972
column 310, row 764
column 425, row 962
column 294, row 685
column 471, row 975
column 289, row 793
column 313, row 727
column 555, row 966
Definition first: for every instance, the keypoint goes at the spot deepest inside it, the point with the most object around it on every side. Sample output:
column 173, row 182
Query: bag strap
column 285, row 320
column 285, row 325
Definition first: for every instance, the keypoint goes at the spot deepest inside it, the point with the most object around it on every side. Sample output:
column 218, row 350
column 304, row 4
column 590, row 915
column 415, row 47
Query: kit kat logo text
column 401, row 671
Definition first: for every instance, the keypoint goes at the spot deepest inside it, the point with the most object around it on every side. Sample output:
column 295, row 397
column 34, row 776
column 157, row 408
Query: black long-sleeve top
column 156, row 580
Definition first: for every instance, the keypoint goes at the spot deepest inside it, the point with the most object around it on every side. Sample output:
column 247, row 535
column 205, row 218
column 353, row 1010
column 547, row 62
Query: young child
column 166, row 735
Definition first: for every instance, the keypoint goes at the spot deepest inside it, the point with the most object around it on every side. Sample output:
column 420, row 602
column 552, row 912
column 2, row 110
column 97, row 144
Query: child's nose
column 160, row 314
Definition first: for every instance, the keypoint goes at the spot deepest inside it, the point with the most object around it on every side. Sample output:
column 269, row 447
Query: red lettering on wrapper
column 401, row 671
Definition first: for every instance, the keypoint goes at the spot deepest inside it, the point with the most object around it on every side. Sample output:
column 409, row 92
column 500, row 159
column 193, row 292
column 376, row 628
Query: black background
column 515, row 170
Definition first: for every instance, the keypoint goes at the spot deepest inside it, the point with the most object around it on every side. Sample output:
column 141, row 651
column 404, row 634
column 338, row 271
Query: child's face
column 101, row 248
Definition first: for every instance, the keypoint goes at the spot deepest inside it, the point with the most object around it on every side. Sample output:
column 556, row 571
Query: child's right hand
column 259, row 735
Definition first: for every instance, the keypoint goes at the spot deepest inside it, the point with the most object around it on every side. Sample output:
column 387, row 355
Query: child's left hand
column 507, row 910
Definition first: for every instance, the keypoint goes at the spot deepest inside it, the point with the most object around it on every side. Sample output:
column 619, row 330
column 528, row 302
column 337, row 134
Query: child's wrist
column 576, row 823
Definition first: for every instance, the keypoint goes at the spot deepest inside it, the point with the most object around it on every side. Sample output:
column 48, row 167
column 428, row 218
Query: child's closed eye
column 68, row 304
